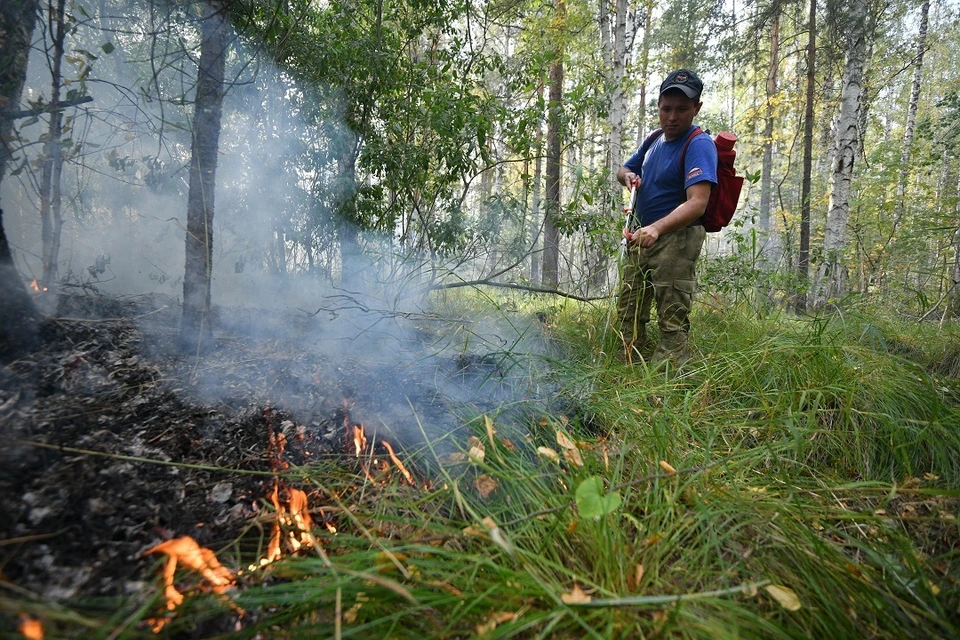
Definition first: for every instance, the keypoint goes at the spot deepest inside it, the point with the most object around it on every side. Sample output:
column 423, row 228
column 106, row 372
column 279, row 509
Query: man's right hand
column 631, row 180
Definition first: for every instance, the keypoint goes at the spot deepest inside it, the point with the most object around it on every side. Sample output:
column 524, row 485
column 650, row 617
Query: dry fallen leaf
column 572, row 456
column 564, row 441
column 494, row 620
column 784, row 596
column 485, row 485
column 475, row 532
column 666, row 466
column 449, row 588
column 476, row 454
column 489, row 425
column 576, row 596
column 549, row 454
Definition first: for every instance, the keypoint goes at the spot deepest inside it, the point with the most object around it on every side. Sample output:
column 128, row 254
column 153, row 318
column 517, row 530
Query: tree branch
column 512, row 285
column 48, row 108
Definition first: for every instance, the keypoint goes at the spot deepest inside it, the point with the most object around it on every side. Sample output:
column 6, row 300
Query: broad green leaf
column 592, row 502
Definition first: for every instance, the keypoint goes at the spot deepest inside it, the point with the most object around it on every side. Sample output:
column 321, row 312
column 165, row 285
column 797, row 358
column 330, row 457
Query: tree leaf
column 785, row 597
column 485, row 485
column 576, row 596
column 549, row 454
column 108, row 47
column 592, row 502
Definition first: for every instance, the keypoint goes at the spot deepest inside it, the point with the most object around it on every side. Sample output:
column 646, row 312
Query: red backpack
column 726, row 193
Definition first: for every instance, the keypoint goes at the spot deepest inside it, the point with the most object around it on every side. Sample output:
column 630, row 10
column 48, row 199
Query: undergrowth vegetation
column 799, row 478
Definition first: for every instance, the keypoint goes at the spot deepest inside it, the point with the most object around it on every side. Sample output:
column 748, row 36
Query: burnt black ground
column 89, row 419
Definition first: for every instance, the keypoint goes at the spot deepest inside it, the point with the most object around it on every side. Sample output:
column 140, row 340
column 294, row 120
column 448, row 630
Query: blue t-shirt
column 663, row 186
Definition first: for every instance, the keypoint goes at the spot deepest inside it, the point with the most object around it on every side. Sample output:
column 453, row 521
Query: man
column 663, row 236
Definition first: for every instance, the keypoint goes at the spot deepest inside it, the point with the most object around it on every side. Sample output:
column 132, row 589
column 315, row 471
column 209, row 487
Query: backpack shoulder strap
column 683, row 153
column 649, row 141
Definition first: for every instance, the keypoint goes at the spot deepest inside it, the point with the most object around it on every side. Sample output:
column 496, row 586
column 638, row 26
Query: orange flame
column 396, row 461
column 31, row 628
column 359, row 439
column 300, row 516
column 297, row 516
column 185, row 550
column 273, row 547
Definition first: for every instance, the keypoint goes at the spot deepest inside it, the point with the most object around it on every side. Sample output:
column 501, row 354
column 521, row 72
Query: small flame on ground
column 35, row 285
column 297, row 516
column 396, row 461
column 31, row 628
column 359, row 439
column 186, row 551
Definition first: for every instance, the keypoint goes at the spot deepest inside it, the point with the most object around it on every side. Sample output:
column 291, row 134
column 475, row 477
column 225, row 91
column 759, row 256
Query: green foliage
column 592, row 502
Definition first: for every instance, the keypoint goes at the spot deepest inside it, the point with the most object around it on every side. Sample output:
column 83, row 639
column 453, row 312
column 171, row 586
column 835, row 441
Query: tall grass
column 807, row 456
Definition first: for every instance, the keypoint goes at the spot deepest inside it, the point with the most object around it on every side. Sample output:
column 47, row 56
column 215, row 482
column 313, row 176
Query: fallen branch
column 639, row 601
column 511, row 285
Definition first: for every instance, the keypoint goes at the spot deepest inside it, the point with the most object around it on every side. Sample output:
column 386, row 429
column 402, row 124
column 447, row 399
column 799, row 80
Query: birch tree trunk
column 911, row 117
column 551, row 233
column 771, row 240
column 196, row 332
column 644, row 70
column 831, row 275
column 17, row 20
column 51, row 215
column 803, row 256
column 615, row 50
column 536, row 225
column 19, row 318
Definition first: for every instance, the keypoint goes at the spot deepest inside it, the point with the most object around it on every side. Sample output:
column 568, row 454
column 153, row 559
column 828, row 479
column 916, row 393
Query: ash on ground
column 115, row 442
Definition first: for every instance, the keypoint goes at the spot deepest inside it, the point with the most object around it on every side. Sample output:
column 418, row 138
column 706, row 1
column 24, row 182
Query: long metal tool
column 628, row 214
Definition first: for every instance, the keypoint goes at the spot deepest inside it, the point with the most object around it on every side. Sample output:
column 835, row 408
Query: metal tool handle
column 628, row 210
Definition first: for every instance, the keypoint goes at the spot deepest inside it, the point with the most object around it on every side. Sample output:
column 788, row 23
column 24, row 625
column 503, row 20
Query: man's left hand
column 645, row 236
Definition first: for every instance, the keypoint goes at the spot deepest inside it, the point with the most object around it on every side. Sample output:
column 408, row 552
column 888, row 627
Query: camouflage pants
column 665, row 272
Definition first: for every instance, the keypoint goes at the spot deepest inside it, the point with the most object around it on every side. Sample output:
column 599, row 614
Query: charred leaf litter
column 107, row 378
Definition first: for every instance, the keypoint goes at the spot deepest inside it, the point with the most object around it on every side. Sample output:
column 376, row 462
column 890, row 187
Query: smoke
column 400, row 364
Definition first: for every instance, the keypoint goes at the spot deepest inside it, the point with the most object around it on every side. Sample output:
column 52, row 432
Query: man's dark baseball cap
column 684, row 80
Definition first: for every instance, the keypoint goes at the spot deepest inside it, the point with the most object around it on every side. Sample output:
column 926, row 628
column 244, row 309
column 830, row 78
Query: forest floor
column 518, row 512
column 113, row 441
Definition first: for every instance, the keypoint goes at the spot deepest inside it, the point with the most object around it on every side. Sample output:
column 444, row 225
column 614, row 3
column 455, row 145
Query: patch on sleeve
column 696, row 171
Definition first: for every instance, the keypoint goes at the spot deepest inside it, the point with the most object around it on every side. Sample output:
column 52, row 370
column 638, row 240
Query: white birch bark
column 771, row 240
column 831, row 275
column 911, row 116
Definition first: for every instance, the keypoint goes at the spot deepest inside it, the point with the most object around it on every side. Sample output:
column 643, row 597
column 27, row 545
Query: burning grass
column 765, row 492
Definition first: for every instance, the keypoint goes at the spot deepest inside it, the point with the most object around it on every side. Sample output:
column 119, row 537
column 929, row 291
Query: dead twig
column 513, row 285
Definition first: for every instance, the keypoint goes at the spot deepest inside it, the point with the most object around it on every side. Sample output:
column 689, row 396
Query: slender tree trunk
column 644, row 70
column 536, row 225
column 51, row 215
column 803, row 256
column 196, row 332
column 551, row 233
column 911, row 117
column 831, row 277
column 771, row 244
column 19, row 318
column 952, row 304
column 17, row 20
